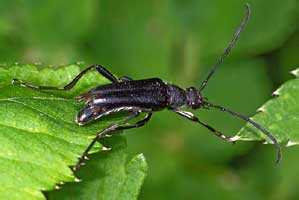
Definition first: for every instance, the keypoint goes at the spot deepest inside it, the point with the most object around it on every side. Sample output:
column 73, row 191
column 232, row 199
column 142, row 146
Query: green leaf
column 279, row 115
column 108, row 175
column 39, row 138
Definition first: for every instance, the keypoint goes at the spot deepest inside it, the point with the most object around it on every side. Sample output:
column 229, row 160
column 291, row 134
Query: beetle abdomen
column 148, row 94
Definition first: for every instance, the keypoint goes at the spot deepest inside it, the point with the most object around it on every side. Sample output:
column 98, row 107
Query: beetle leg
column 137, row 124
column 191, row 117
column 102, row 133
column 103, row 71
column 125, row 78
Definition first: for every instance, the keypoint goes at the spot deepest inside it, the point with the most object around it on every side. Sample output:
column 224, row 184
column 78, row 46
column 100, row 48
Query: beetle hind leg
column 102, row 70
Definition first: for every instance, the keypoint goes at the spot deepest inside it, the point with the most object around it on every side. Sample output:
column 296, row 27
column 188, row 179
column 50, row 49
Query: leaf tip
column 295, row 72
column 261, row 109
column 141, row 157
column 86, row 158
column 276, row 92
column 106, row 148
column 235, row 138
column 291, row 143
column 57, row 187
column 77, row 180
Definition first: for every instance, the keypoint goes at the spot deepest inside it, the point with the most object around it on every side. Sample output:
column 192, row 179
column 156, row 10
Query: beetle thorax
column 178, row 97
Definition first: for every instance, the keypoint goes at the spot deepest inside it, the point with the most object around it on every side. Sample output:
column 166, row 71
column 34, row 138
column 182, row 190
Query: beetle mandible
column 147, row 96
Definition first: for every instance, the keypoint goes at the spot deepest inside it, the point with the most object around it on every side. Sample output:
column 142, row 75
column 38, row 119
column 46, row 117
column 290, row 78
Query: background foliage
column 177, row 41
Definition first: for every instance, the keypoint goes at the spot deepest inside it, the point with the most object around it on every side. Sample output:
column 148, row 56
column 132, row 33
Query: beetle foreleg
column 191, row 117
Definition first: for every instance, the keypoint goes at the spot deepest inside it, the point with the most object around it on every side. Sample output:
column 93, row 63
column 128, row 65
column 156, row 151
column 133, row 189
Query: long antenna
column 269, row 135
column 228, row 49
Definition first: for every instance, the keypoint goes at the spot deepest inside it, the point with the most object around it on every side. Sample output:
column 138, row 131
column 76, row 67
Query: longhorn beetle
column 147, row 96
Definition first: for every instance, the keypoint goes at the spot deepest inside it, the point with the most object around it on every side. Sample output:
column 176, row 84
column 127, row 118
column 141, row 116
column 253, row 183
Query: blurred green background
column 177, row 41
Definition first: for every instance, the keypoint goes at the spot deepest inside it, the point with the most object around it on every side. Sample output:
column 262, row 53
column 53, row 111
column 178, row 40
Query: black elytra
column 147, row 96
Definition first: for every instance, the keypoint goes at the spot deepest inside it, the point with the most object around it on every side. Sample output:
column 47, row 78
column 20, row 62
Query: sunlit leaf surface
column 39, row 137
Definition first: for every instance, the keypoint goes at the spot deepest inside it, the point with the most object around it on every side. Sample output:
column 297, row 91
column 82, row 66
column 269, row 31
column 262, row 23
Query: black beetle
column 146, row 96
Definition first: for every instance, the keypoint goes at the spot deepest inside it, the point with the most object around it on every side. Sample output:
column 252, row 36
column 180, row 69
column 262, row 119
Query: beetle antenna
column 269, row 135
column 228, row 49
